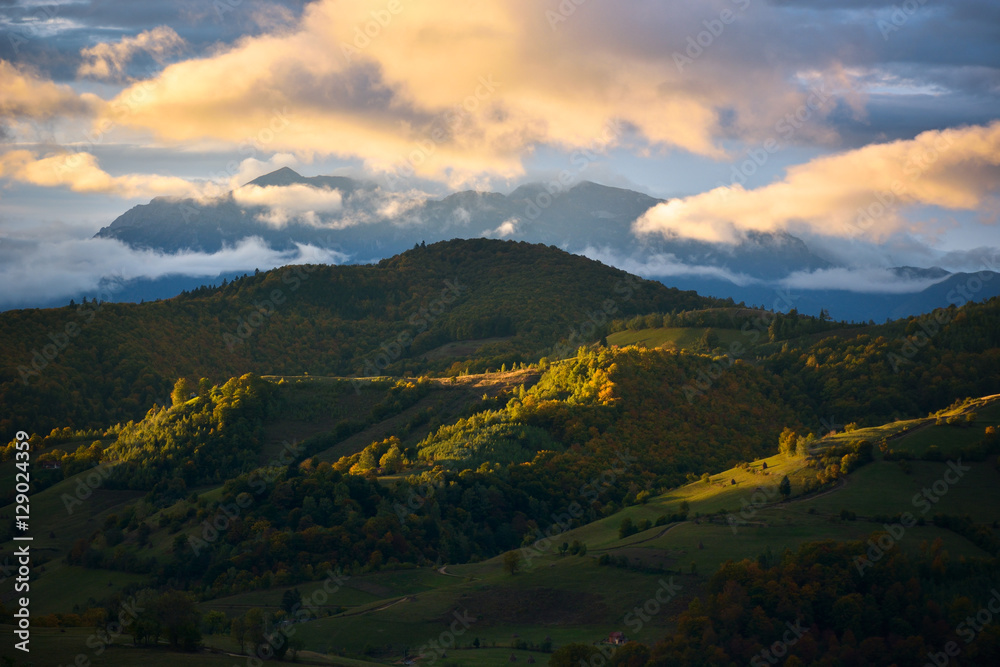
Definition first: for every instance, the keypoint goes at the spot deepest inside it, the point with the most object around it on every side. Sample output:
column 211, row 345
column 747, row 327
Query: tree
column 181, row 392
column 146, row 626
column 626, row 528
column 709, row 340
column 786, row 441
column 512, row 562
column 256, row 634
column 214, row 622
column 392, row 460
column 179, row 615
column 630, row 655
column 785, row 487
column 238, row 631
column 366, row 461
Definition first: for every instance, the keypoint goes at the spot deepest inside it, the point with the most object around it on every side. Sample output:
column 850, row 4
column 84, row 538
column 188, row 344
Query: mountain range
column 362, row 223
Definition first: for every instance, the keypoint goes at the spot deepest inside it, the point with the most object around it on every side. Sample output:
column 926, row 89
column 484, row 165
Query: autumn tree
column 512, row 562
column 786, row 441
column 392, row 460
column 181, row 392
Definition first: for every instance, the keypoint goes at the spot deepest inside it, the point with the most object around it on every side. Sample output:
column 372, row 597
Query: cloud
column 867, row 281
column 358, row 82
column 289, row 203
column 252, row 168
column 73, row 266
column 108, row 60
column 505, row 229
column 662, row 265
column 25, row 95
column 80, row 172
column 859, row 193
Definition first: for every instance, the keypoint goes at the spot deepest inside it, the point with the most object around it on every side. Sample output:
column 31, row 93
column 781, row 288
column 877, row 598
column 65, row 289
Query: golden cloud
column 290, row 202
column 80, row 172
column 107, row 60
column 863, row 192
column 446, row 91
column 24, row 95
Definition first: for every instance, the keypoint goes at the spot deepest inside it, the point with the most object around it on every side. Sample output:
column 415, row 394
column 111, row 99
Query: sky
column 869, row 129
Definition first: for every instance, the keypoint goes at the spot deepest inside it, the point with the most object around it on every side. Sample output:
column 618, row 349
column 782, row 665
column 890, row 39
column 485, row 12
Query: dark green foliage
column 887, row 615
column 324, row 320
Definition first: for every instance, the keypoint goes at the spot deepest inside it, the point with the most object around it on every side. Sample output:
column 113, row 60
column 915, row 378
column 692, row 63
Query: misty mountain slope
column 372, row 223
column 365, row 223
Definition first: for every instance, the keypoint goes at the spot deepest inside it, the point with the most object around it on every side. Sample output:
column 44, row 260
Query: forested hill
column 90, row 364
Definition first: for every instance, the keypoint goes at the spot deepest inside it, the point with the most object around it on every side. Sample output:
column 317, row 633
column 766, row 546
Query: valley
column 523, row 495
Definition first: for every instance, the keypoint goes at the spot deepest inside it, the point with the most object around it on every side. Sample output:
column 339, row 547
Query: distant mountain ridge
column 373, row 224
column 366, row 223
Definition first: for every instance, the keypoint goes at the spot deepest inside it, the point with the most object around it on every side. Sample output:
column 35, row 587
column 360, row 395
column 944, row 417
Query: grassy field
column 687, row 338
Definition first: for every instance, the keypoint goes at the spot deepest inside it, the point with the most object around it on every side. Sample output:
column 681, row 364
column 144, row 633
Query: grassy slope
column 687, row 338
column 528, row 604
column 532, row 604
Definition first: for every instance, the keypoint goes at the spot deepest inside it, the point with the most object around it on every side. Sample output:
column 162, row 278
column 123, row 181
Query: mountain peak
column 283, row 176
